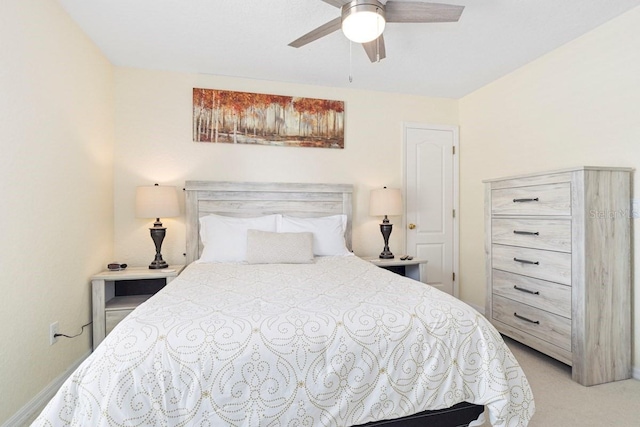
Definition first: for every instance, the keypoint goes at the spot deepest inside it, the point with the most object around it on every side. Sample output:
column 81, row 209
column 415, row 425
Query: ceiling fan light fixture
column 363, row 20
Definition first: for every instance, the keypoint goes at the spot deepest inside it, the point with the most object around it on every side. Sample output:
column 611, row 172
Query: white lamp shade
column 156, row 201
column 385, row 201
column 363, row 23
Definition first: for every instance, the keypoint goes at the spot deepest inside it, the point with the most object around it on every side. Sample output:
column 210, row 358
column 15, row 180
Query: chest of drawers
column 558, row 265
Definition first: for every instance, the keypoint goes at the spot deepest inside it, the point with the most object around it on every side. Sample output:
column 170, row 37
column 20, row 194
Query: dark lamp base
column 157, row 235
column 158, row 264
column 385, row 229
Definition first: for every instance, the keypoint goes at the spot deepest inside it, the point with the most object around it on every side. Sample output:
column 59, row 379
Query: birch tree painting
column 254, row 118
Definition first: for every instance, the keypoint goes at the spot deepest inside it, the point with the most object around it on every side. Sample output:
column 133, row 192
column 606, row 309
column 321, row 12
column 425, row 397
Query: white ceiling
column 248, row 38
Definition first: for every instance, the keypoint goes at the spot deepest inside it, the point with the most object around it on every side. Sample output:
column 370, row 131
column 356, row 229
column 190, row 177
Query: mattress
column 338, row 342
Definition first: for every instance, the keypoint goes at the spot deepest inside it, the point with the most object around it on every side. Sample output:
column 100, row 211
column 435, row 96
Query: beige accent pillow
column 264, row 247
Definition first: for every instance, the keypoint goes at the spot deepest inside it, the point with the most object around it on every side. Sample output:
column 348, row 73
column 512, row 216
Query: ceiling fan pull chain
column 378, row 42
column 350, row 63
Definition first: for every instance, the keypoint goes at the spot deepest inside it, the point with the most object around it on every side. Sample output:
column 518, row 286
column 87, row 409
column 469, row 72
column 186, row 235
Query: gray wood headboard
column 249, row 199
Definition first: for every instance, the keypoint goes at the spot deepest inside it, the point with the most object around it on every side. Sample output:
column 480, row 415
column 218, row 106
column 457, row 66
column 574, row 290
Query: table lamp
column 384, row 202
column 157, row 201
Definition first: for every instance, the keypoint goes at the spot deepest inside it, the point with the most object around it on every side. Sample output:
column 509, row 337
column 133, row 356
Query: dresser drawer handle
column 524, row 261
column 525, row 200
column 537, row 322
column 525, row 290
column 526, row 233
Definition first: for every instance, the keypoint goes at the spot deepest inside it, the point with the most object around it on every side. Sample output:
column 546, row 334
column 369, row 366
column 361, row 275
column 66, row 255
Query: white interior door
column 431, row 192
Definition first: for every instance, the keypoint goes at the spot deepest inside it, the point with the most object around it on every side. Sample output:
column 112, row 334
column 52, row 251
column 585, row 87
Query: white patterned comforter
column 336, row 343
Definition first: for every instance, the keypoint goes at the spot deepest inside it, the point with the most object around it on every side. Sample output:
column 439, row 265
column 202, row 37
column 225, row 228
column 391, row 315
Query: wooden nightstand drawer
column 115, row 294
column 118, row 308
column 112, row 318
column 548, row 199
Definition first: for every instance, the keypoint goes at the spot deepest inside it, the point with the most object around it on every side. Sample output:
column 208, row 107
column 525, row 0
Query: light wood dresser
column 558, row 264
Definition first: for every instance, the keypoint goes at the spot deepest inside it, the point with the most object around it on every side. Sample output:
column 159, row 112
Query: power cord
column 73, row 336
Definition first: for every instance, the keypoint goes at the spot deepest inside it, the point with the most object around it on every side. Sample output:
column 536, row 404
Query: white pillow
column 328, row 232
column 264, row 247
column 225, row 238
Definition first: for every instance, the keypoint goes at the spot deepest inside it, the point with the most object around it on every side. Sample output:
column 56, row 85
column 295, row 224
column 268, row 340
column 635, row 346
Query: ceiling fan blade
column 321, row 31
column 336, row 3
column 401, row 11
column 374, row 47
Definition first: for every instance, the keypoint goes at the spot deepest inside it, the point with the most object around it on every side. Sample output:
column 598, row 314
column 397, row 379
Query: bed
column 330, row 340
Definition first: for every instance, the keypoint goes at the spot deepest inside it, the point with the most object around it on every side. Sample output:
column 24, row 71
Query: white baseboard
column 29, row 411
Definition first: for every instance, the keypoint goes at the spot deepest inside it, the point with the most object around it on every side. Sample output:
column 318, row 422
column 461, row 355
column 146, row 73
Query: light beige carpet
column 563, row 403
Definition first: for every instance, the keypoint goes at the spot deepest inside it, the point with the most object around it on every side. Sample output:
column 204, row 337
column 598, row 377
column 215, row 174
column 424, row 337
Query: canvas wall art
column 222, row 116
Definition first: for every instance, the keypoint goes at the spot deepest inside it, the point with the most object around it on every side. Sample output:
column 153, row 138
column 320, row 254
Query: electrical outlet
column 53, row 329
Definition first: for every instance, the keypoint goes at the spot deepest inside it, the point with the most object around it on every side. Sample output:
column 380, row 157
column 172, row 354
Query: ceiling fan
column 363, row 21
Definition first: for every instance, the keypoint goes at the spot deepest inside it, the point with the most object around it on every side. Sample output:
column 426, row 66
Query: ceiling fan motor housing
column 363, row 20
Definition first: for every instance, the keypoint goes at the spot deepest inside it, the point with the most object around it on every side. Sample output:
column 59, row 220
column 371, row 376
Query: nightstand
column 407, row 268
column 115, row 294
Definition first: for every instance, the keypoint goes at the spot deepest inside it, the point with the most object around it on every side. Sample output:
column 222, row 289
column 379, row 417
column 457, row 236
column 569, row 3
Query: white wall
column 154, row 144
column 576, row 106
column 56, row 173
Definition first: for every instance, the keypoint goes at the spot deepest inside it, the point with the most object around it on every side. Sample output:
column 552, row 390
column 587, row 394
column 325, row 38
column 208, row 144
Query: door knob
column 412, row 226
